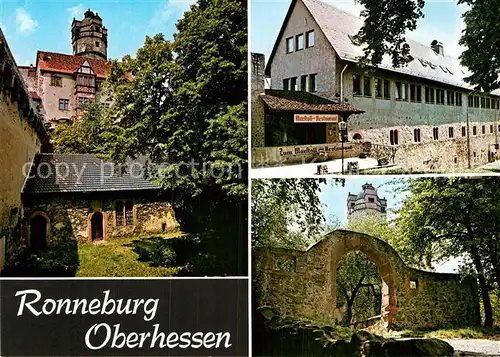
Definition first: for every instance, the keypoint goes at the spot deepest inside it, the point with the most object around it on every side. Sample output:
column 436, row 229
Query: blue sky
column 442, row 22
column 31, row 25
column 334, row 197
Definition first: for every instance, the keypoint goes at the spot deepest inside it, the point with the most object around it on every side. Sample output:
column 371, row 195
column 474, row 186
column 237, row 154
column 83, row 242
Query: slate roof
column 300, row 101
column 58, row 173
column 338, row 25
column 69, row 64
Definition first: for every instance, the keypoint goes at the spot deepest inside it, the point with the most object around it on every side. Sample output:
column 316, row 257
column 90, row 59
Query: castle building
column 424, row 114
column 63, row 83
column 366, row 203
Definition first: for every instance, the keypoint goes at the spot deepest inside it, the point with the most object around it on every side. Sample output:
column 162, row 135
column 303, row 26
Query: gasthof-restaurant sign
column 315, row 118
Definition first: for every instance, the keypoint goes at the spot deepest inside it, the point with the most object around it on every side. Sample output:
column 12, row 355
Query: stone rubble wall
column 70, row 218
column 303, row 283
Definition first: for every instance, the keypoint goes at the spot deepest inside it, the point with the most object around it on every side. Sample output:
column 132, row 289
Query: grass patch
column 117, row 258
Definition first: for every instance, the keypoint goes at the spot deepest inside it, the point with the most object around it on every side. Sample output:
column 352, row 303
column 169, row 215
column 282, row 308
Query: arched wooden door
column 97, row 227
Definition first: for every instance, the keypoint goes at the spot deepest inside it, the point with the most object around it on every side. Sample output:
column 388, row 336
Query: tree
column 386, row 22
column 182, row 103
column 286, row 213
column 384, row 28
column 83, row 135
column 454, row 217
column 359, row 286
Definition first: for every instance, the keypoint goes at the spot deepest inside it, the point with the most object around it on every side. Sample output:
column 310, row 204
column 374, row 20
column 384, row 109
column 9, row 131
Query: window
column 367, row 86
column 413, row 93
column 427, row 95
column 371, row 200
column 119, row 216
column 491, row 128
column 416, row 135
column 400, row 91
column 310, row 39
column 56, row 81
column 286, row 84
column 387, row 89
column 474, row 130
column 458, row 99
column 87, row 81
column 129, row 213
column 289, row 45
column 84, row 100
column 432, row 95
column 378, row 88
column 293, row 83
column 471, row 101
column 439, row 96
column 299, row 42
column 488, row 103
column 63, row 104
column 484, row 129
column 303, row 83
column 397, row 90
column 393, row 137
column 435, row 133
column 483, row 102
column 419, row 94
column 124, row 213
column 404, row 92
column 449, row 96
column 356, row 84
column 450, row 132
column 413, row 284
column 313, row 83
column 476, row 101
column 463, row 130
column 97, row 44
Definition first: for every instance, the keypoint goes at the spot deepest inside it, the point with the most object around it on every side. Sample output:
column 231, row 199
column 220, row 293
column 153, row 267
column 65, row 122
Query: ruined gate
column 304, row 283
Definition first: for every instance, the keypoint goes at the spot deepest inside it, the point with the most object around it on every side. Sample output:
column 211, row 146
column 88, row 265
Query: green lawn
column 116, row 258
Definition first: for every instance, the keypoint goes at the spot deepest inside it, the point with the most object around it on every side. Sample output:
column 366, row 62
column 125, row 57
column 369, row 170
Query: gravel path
column 486, row 347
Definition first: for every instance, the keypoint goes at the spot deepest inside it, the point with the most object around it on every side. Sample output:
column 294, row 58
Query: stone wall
column 303, row 284
column 257, row 105
column 22, row 135
column 70, row 217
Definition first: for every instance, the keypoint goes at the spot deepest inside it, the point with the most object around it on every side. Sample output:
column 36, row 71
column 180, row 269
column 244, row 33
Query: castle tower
column 366, row 203
column 88, row 37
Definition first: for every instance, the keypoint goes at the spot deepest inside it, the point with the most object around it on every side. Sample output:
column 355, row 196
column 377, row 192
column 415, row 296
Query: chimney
column 257, row 71
column 437, row 47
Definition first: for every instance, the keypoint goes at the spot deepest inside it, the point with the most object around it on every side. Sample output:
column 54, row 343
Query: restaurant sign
column 315, row 118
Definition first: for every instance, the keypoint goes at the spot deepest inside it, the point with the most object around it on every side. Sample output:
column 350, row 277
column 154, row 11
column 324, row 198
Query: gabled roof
column 86, row 173
column 69, row 64
column 300, row 101
column 338, row 26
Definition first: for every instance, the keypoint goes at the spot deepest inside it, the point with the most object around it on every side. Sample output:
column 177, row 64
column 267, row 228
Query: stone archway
column 38, row 231
column 97, row 226
column 379, row 253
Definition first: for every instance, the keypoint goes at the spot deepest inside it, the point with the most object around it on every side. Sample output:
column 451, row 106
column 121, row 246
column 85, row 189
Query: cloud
column 170, row 10
column 76, row 12
column 25, row 24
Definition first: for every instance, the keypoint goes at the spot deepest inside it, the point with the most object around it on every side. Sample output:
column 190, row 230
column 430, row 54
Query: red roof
column 62, row 63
